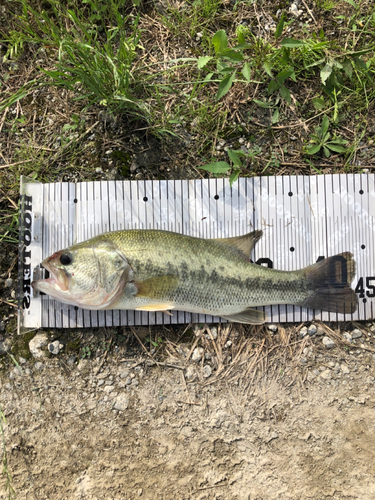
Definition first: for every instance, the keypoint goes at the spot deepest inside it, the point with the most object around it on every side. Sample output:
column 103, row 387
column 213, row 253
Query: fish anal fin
column 248, row 316
column 155, row 308
column 243, row 244
column 157, row 287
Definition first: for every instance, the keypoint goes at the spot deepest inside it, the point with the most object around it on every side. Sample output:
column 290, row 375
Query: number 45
column 360, row 289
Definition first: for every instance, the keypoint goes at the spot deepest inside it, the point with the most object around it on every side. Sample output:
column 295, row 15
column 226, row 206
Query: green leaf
column 348, row 68
column 202, row 61
column 325, row 73
column 268, row 69
column 285, row 94
column 233, row 177
column 217, row 167
column 326, row 152
column 280, row 27
column 316, row 63
column 220, row 41
column 263, row 104
column 350, row 2
column 221, row 66
column 292, row 43
column 284, row 75
column 360, row 63
column 208, row 77
column 325, row 126
column 235, row 158
column 225, row 85
column 339, row 140
column 318, row 102
column 272, row 87
column 246, row 71
column 240, row 37
column 232, row 55
column 275, row 116
column 312, row 150
column 336, row 147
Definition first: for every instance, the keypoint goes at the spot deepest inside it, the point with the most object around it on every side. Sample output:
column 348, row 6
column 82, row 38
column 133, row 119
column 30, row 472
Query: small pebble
column 207, row 371
column 272, row 328
column 320, row 332
column 326, row 374
column 8, row 282
column 303, row 332
column 38, row 366
column 37, row 344
column 55, row 347
column 190, row 372
column 347, row 336
column 71, row 360
column 5, row 346
column 311, row 330
column 197, row 354
column 329, row 343
column 345, row 370
column 213, row 331
column 356, row 334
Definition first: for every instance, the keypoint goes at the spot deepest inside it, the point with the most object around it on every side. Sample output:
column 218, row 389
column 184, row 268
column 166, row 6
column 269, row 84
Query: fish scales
column 211, row 277
column 156, row 270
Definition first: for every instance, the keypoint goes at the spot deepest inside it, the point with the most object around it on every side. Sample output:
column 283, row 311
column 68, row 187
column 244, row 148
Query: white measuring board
column 303, row 218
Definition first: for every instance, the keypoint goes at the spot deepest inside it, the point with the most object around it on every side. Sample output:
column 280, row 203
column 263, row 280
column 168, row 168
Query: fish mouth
column 57, row 278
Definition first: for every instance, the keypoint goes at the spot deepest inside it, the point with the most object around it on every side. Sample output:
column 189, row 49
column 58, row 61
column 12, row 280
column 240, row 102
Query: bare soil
column 276, row 420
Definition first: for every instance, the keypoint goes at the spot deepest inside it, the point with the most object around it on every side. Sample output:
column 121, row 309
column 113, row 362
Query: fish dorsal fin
column 243, row 244
column 248, row 316
column 157, row 287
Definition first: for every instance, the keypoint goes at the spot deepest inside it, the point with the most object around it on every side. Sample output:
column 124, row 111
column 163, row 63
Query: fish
column 155, row 270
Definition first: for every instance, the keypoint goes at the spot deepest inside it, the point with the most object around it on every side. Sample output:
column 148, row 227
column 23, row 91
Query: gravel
column 347, row 336
column 320, row 332
column 272, row 328
column 55, row 347
column 329, row 343
column 207, row 371
column 5, row 346
column 303, row 332
column 121, row 403
column 344, row 369
column 312, row 330
column 356, row 334
column 38, row 344
column 197, row 354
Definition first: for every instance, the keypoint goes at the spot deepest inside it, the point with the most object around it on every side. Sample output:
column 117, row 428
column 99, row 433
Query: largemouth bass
column 151, row 270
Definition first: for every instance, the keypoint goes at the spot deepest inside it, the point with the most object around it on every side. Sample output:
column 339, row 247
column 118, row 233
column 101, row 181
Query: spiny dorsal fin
column 243, row 244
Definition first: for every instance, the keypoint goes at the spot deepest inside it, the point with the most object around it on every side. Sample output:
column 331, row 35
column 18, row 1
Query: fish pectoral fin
column 155, row 308
column 243, row 244
column 157, row 287
column 248, row 316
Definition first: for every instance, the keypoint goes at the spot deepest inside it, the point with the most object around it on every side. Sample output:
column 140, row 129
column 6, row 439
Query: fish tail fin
column 331, row 279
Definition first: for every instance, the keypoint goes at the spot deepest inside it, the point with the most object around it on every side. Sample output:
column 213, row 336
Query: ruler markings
column 325, row 215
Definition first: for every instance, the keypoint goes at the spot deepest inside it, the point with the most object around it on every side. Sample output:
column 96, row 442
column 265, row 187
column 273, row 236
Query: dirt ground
column 276, row 420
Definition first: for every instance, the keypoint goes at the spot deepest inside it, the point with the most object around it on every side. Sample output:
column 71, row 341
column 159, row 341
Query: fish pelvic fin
column 156, row 308
column 243, row 245
column 248, row 316
column 331, row 279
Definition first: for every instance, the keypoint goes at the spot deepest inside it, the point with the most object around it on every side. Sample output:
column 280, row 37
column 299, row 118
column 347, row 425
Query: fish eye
column 66, row 259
